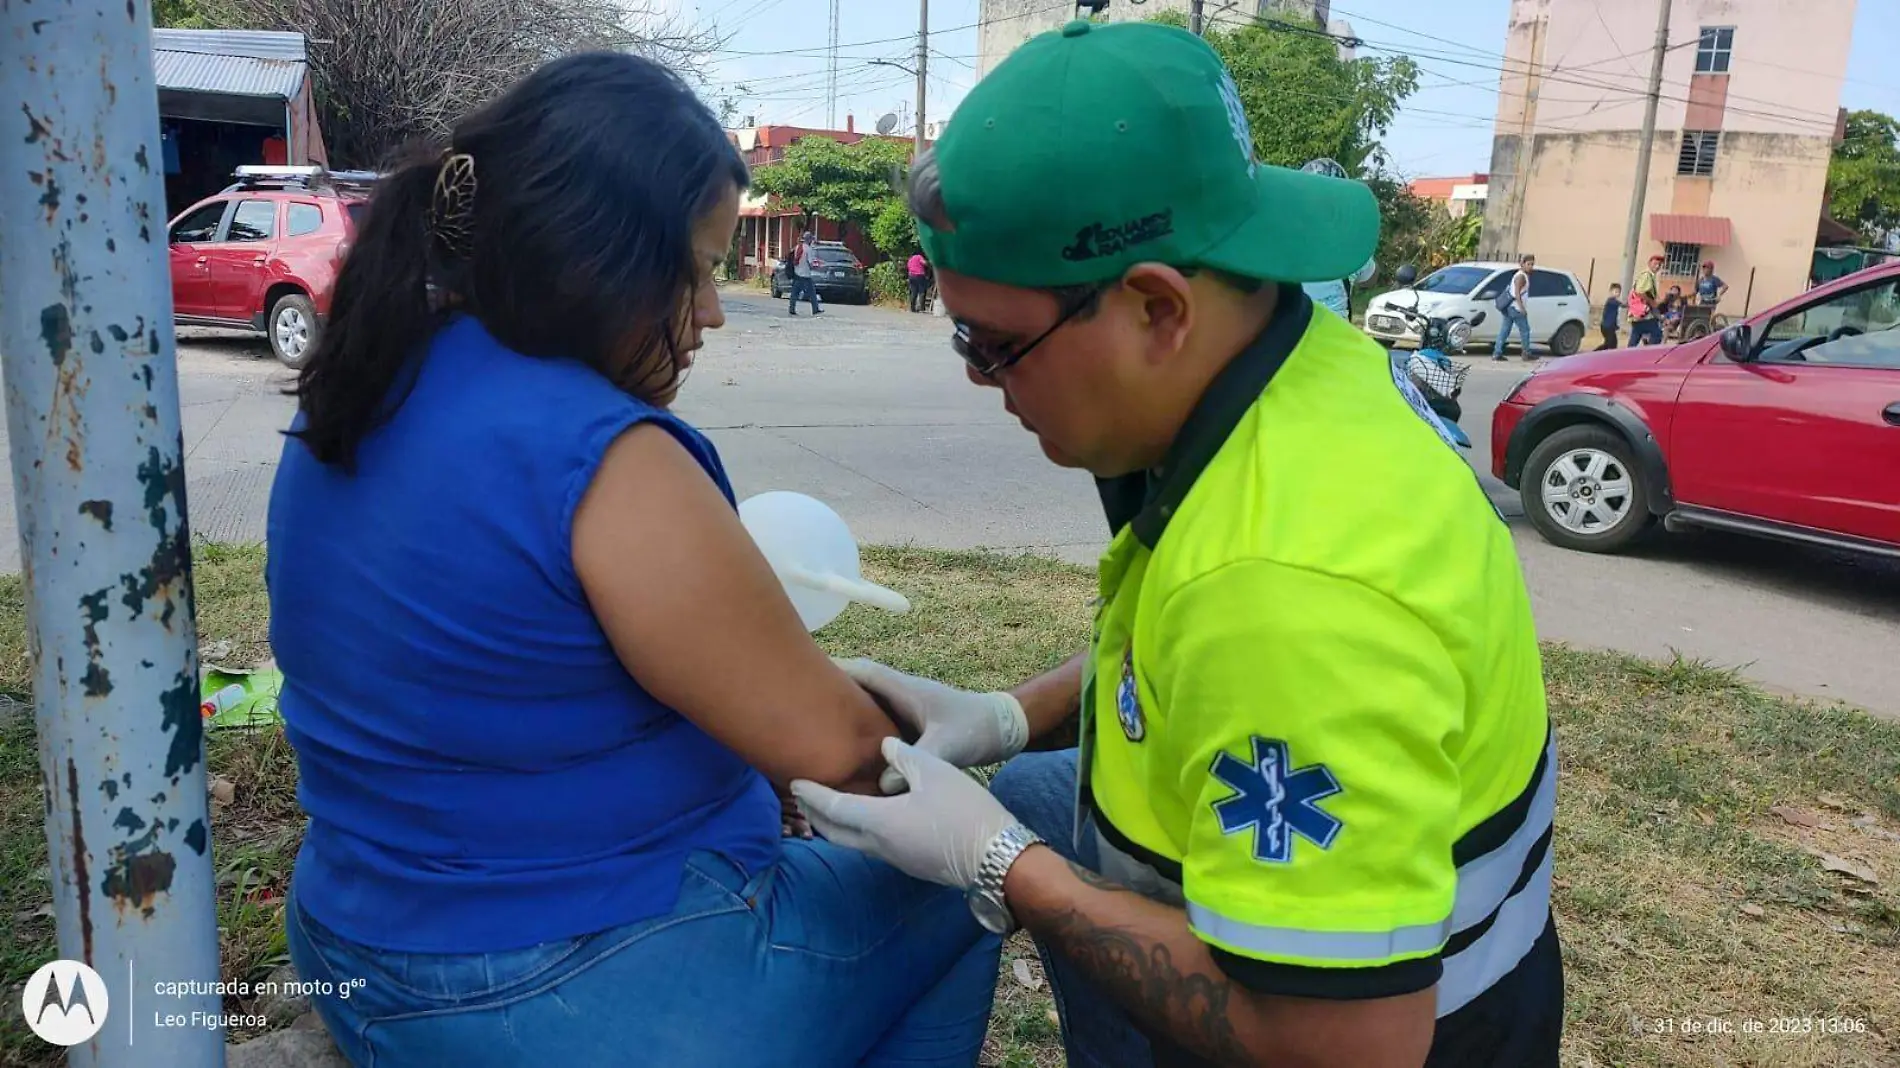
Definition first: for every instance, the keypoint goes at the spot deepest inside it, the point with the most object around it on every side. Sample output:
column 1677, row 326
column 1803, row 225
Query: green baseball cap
column 1096, row 147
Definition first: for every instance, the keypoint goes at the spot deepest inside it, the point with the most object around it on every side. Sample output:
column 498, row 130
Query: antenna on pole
column 831, row 73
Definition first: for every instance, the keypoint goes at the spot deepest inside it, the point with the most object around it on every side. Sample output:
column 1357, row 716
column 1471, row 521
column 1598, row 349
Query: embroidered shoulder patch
column 1275, row 800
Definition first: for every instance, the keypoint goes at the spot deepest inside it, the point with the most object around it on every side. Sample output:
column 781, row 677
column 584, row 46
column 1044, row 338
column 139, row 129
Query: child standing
column 1611, row 308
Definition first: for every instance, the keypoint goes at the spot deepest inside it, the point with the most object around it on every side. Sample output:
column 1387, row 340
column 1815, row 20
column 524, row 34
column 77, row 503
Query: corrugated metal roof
column 230, row 62
column 1691, row 229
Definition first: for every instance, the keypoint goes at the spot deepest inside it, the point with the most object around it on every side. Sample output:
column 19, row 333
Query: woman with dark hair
column 540, row 682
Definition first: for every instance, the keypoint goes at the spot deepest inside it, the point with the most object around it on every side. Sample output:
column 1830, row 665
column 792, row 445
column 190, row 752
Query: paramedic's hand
column 967, row 729
column 937, row 832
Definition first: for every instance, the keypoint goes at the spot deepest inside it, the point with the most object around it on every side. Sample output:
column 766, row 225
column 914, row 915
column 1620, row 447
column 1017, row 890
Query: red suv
column 1787, row 425
column 263, row 254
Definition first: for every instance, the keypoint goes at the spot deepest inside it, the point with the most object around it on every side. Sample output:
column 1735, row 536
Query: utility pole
column 831, row 74
column 1634, row 234
column 923, row 66
column 1194, row 17
column 90, row 361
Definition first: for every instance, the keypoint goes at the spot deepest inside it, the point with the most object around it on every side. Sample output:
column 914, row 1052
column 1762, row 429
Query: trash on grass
column 243, row 699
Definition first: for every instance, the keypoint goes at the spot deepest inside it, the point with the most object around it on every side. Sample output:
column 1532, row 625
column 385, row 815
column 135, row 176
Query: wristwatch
column 986, row 893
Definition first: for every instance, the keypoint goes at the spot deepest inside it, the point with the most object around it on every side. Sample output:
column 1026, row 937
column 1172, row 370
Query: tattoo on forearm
column 1094, row 878
column 1191, row 1008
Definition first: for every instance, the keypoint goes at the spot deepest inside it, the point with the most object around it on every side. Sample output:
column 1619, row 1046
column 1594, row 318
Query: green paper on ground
column 242, row 699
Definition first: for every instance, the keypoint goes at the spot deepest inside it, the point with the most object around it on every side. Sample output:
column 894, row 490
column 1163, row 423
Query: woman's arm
column 696, row 614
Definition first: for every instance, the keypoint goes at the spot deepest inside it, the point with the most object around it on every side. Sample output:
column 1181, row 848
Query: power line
column 821, row 53
column 1545, row 72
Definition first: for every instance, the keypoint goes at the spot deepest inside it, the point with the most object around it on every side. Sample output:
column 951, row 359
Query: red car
column 1786, row 425
column 263, row 254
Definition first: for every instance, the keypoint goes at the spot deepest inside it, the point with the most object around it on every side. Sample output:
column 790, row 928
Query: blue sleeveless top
column 480, row 771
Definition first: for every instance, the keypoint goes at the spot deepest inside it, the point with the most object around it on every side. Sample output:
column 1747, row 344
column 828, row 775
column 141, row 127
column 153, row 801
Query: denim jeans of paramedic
column 828, row 958
column 1517, row 317
column 1039, row 789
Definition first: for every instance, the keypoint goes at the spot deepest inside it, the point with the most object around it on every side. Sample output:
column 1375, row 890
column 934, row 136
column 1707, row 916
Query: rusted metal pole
column 88, row 354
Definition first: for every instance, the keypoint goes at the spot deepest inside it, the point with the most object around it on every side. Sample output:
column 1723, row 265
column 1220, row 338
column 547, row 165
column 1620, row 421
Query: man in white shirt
column 802, row 277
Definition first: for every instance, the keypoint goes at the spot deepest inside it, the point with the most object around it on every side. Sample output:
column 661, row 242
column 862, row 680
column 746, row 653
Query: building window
column 1697, row 157
column 1712, row 51
column 1680, row 259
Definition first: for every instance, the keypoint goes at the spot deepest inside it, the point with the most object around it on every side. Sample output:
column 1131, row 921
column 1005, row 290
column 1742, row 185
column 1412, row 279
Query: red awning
column 1690, row 229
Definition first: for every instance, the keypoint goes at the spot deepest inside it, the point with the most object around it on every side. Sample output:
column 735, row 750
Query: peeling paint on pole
column 91, row 378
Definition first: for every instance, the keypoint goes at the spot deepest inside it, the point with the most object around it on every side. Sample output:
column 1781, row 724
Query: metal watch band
column 1003, row 850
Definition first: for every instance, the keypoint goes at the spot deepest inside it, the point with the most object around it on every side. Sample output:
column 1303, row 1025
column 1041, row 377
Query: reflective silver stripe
column 1484, row 883
column 1374, row 946
column 1479, row 965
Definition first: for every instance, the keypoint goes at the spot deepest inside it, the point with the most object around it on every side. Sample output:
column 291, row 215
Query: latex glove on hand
column 937, row 832
column 967, row 729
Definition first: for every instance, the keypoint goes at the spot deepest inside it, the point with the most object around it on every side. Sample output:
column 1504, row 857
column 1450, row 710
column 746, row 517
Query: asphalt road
column 867, row 409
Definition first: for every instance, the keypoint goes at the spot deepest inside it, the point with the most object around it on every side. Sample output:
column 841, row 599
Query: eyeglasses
column 991, row 360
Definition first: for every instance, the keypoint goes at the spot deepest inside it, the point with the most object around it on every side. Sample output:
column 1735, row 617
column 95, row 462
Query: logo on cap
column 1237, row 118
column 1097, row 240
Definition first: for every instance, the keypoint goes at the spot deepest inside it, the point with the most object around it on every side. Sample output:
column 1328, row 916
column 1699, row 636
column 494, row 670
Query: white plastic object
column 813, row 553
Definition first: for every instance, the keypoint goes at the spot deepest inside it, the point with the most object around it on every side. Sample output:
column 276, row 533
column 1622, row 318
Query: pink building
column 1749, row 115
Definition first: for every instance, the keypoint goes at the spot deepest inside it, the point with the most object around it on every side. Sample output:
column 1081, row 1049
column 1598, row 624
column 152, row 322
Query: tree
column 1863, row 180
column 388, row 71
column 184, row 14
column 894, row 229
column 843, row 183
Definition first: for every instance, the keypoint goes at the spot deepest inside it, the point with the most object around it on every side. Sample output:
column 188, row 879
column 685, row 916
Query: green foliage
column 843, row 183
column 1863, row 180
column 188, row 15
column 887, row 282
column 1421, row 232
column 894, row 229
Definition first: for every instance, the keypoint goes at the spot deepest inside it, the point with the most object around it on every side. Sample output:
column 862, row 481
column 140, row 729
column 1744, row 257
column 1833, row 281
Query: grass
column 1693, row 815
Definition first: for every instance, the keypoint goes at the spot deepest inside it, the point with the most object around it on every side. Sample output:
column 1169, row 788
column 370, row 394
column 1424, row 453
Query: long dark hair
column 573, row 240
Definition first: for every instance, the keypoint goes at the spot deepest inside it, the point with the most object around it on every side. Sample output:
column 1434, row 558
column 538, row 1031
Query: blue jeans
column 1646, row 332
column 827, row 958
column 1039, row 789
column 807, row 287
column 1518, row 318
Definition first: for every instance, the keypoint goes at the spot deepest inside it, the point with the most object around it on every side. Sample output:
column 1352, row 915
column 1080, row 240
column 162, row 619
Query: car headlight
column 1511, row 394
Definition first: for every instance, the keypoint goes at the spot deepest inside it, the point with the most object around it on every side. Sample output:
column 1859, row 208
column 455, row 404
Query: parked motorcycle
column 1430, row 368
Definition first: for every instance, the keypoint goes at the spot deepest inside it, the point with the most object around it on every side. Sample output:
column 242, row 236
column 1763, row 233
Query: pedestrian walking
column 802, row 276
column 1610, row 309
column 919, row 270
column 1645, row 317
column 1510, row 305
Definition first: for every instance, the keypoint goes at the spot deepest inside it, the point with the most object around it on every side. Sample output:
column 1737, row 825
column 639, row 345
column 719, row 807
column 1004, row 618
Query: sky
column 775, row 49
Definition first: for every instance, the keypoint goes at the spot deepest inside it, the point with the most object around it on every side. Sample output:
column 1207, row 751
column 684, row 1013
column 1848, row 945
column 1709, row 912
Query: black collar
column 1149, row 499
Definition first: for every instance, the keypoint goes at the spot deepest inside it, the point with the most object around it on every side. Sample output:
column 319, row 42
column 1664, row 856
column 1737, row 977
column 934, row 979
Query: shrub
column 887, row 283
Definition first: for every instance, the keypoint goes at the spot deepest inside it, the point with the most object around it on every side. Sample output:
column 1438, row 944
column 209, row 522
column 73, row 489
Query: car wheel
column 294, row 329
column 775, row 289
column 1566, row 340
column 1582, row 489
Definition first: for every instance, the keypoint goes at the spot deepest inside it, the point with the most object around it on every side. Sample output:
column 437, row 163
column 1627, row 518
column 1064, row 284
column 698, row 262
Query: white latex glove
column 967, row 729
column 937, row 832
